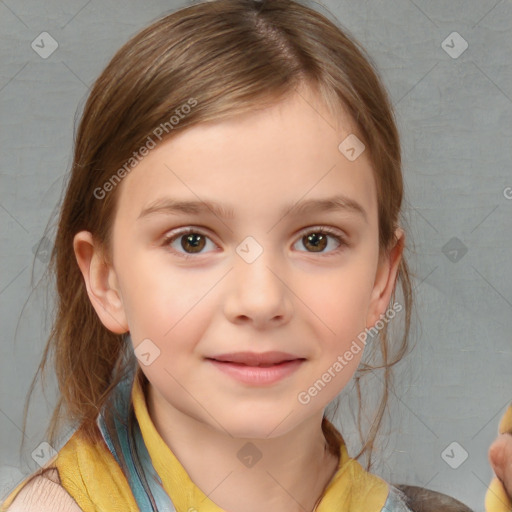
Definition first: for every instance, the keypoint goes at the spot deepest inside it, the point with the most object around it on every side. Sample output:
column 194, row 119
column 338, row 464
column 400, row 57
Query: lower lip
column 258, row 375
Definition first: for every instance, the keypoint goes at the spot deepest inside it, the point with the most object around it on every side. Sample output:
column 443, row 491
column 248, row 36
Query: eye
column 318, row 239
column 191, row 240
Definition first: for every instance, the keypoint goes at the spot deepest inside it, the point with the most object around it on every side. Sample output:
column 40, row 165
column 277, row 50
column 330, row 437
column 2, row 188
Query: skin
column 500, row 457
column 290, row 298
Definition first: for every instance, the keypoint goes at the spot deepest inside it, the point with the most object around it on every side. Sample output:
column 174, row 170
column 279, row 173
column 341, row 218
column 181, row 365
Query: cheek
column 153, row 289
column 338, row 301
column 170, row 309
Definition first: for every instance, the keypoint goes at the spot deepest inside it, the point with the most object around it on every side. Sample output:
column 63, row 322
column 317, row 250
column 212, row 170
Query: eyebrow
column 172, row 206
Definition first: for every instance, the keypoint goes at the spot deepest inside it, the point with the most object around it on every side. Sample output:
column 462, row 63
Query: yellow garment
column 91, row 475
column 496, row 499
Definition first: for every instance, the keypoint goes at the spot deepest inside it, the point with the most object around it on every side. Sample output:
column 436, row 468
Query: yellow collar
column 351, row 488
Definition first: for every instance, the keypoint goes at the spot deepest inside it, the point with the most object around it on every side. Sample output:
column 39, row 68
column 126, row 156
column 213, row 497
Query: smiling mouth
column 257, row 365
column 253, row 370
column 255, row 359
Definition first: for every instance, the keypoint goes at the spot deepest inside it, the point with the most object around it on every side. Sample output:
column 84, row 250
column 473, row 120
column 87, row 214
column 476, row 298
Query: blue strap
column 131, row 452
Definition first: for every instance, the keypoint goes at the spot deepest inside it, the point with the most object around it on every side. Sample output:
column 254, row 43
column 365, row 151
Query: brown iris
column 195, row 241
column 318, row 241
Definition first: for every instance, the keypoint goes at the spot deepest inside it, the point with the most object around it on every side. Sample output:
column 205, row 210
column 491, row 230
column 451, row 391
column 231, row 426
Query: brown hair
column 230, row 57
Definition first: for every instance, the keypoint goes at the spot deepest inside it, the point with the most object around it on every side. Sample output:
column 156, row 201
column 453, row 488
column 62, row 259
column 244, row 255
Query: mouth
column 254, row 359
column 260, row 365
column 257, row 369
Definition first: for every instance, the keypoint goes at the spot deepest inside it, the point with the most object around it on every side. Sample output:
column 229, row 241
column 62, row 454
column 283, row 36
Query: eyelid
column 326, row 229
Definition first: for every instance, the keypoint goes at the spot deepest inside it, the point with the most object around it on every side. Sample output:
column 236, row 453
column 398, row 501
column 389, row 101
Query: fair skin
column 500, row 456
column 291, row 298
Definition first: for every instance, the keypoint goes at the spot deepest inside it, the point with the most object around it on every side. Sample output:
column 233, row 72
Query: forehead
column 255, row 162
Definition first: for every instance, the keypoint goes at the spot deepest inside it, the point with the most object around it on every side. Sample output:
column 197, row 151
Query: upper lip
column 254, row 358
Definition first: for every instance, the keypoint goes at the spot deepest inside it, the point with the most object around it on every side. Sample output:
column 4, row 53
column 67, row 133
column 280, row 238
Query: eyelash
column 318, row 230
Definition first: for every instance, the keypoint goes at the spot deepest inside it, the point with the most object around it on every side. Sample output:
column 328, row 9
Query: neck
column 292, row 473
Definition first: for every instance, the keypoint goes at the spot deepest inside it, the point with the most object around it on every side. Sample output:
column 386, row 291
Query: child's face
column 224, row 299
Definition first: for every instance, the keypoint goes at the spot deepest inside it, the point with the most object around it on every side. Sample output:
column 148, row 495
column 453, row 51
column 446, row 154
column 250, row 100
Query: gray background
column 455, row 117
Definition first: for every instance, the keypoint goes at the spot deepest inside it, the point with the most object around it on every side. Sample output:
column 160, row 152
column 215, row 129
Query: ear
column 101, row 283
column 385, row 280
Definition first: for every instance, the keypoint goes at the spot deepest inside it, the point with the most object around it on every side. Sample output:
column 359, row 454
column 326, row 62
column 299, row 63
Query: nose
column 259, row 293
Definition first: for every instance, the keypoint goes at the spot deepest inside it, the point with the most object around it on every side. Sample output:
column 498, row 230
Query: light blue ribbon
column 130, row 451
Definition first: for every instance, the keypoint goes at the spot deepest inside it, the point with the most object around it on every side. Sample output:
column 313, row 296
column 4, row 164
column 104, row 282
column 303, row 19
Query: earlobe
column 101, row 283
column 385, row 280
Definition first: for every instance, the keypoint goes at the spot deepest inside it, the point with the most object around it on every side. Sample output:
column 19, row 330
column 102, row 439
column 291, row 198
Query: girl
column 229, row 238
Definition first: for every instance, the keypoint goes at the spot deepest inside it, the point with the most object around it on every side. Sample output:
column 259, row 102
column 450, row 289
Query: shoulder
column 43, row 493
column 419, row 499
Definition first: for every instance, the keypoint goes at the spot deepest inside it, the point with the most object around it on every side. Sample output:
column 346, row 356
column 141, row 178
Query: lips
column 257, row 370
column 255, row 359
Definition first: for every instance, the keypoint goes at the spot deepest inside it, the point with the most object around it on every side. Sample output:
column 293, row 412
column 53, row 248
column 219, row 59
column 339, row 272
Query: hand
column 500, row 457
